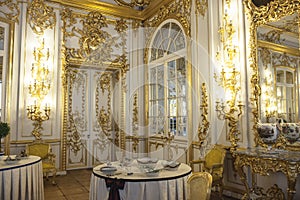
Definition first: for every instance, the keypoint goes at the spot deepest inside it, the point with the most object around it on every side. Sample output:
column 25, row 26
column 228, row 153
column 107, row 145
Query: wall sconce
column 39, row 89
column 229, row 79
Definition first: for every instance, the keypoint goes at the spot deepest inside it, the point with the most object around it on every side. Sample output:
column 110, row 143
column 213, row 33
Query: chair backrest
column 199, row 184
column 215, row 156
column 38, row 149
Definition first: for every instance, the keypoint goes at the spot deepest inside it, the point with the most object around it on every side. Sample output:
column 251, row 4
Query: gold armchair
column 214, row 164
column 43, row 150
column 199, row 186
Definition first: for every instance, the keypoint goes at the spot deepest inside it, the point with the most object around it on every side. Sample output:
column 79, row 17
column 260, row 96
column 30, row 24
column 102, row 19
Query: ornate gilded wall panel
column 77, row 119
column 96, row 42
column 10, row 10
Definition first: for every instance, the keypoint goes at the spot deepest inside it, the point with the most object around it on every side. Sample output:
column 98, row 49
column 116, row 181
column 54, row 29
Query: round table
column 21, row 179
column 166, row 185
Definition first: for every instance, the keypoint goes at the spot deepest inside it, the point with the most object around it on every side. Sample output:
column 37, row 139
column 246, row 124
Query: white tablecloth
column 22, row 179
column 167, row 185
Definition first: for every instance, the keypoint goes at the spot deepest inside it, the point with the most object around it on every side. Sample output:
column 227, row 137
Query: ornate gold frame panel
column 87, row 43
column 8, row 76
column 257, row 16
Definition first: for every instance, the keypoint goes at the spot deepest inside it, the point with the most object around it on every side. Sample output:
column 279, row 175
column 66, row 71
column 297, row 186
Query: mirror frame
column 257, row 16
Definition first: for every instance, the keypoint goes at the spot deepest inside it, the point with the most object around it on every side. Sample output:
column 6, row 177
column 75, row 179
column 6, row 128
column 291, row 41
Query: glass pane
column 153, row 54
column 181, row 106
column 152, row 92
column 180, row 67
column 172, row 107
column 171, row 89
column 160, row 74
column 290, row 93
column 153, row 109
column 161, row 108
column 174, row 30
column 160, row 94
column 160, row 52
column 165, row 31
column 165, row 45
column 289, row 78
column 179, row 42
column 171, row 69
column 181, row 87
column 279, row 92
column 152, row 122
column 153, row 75
column 280, row 76
column 172, row 124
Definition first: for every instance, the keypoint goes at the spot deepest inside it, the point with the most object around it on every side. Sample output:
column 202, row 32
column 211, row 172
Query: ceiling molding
column 104, row 8
column 116, row 10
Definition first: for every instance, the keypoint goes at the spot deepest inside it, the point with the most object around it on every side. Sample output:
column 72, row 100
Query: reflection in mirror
column 278, row 63
column 274, row 63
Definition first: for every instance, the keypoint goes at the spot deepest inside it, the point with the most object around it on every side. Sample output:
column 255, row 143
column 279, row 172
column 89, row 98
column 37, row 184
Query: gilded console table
column 263, row 162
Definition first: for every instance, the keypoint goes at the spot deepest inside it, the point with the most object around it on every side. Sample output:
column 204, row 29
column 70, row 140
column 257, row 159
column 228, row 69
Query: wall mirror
column 274, row 79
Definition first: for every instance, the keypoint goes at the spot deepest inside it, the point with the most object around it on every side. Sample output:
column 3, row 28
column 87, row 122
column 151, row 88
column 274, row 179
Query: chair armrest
column 51, row 157
column 197, row 162
column 215, row 166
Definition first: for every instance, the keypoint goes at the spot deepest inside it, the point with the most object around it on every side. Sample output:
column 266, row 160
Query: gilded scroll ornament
column 121, row 26
column 201, row 7
column 264, row 164
column 134, row 137
column 103, row 115
column 10, row 10
column 73, row 139
column 179, row 9
column 204, row 126
column 40, row 16
column 133, row 3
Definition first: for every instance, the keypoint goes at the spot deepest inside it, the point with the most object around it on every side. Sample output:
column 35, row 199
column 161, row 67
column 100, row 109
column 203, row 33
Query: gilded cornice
column 115, row 10
column 278, row 48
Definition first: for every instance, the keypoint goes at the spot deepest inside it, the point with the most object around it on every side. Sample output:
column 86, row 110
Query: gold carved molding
column 179, row 10
column 204, row 125
column 259, row 16
column 264, row 164
column 201, row 7
column 40, row 16
column 10, row 11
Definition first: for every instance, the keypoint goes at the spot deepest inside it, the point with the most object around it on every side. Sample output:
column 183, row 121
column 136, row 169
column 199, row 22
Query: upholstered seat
column 199, row 186
column 43, row 150
column 213, row 163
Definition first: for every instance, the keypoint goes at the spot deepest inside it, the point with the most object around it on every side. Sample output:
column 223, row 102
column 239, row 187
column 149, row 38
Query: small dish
column 172, row 166
column 147, row 160
column 108, row 170
column 153, row 173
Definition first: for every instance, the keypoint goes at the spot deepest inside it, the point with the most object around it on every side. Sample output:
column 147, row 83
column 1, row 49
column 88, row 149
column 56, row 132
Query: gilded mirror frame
column 257, row 16
column 6, row 89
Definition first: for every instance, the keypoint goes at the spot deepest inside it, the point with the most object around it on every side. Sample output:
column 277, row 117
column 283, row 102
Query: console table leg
column 291, row 191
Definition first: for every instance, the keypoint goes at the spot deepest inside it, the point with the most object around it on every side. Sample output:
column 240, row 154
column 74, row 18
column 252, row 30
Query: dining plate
column 108, row 170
